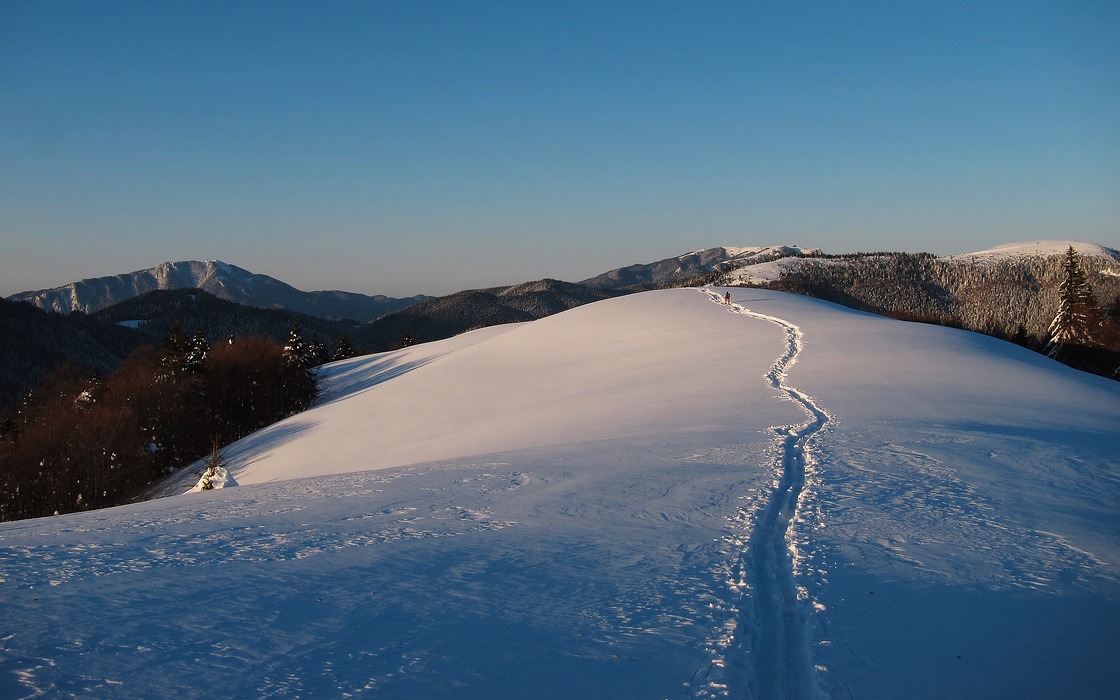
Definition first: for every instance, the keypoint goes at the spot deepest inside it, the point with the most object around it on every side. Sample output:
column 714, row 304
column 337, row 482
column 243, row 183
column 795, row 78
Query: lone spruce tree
column 1073, row 324
column 342, row 349
column 299, row 381
column 317, row 351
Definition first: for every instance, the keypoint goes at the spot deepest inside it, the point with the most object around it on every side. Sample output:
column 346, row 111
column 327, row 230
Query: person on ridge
column 727, row 298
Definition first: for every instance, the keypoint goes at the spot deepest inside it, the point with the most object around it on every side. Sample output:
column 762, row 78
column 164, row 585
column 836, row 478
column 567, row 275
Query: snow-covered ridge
column 694, row 264
column 554, row 509
column 746, row 255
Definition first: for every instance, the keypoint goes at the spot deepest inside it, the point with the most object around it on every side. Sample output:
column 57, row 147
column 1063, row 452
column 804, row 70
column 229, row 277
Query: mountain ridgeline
column 1012, row 295
column 443, row 317
column 224, row 281
column 690, row 266
column 39, row 341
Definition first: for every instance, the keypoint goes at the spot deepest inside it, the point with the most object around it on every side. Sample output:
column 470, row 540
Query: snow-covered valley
column 596, row 504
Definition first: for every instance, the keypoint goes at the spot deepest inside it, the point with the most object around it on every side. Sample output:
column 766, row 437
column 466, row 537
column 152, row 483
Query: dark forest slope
column 443, row 317
column 35, row 341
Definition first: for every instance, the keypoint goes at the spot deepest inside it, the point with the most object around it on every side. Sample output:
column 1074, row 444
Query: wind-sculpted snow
column 632, row 499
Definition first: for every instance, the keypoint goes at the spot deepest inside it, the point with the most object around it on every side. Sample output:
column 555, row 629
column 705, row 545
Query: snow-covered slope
column 595, row 505
column 225, row 281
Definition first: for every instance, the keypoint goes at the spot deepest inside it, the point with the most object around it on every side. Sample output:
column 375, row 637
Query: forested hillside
column 36, row 341
column 1015, row 299
column 443, row 317
column 217, row 318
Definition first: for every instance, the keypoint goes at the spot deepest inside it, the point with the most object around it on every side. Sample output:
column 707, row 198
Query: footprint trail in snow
column 767, row 652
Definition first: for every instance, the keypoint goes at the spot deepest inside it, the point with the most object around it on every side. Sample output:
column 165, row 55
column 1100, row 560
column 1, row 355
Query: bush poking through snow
column 214, row 462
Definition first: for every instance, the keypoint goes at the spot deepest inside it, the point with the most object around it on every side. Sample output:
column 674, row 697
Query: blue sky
column 413, row 147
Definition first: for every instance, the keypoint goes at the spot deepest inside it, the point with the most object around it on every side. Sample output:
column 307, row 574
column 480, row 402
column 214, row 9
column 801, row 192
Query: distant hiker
column 727, row 298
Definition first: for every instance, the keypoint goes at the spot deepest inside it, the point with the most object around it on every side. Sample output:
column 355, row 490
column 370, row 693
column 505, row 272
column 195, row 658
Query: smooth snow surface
column 655, row 496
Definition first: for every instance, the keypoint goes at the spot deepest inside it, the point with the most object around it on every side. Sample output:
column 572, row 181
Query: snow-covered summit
column 1028, row 249
column 760, row 253
column 93, row 294
column 694, row 264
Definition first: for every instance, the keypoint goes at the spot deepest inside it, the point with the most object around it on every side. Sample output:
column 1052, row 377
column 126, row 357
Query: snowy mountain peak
column 221, row 279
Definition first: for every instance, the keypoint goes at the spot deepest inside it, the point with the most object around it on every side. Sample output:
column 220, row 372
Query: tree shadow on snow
column 359, row 377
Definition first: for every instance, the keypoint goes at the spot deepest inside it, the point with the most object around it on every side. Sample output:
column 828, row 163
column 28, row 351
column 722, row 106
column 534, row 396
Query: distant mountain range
column 224, row 281
column 36, row 341
column 1009, row 291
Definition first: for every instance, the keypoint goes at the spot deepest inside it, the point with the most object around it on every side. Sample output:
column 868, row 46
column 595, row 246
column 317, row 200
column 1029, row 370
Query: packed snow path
column 775, row 616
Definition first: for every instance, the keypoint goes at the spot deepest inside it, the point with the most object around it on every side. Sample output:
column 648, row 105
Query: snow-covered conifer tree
column 1073, row 324
column 342, row 349
column 299, row 384
column 295, row 351
column 196, row 353
column 175, row 349
column 317, row 351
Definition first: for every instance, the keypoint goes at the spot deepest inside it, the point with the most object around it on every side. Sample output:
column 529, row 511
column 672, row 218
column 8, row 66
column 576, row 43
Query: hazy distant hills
column 224, row 281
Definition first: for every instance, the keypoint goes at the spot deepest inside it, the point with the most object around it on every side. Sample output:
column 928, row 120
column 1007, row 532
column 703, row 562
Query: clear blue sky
column 415, row 147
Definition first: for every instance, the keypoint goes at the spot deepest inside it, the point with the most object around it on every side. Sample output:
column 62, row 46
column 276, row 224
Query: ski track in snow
column 764, row 651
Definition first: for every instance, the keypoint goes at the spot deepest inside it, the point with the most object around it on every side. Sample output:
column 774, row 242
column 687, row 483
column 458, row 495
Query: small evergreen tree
column 214, row 461
column 317, row 351
column 197, row 350
column 408, row 340
column 299, row 381
column 295, row 351
column 175, row 350
column 342, row 349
